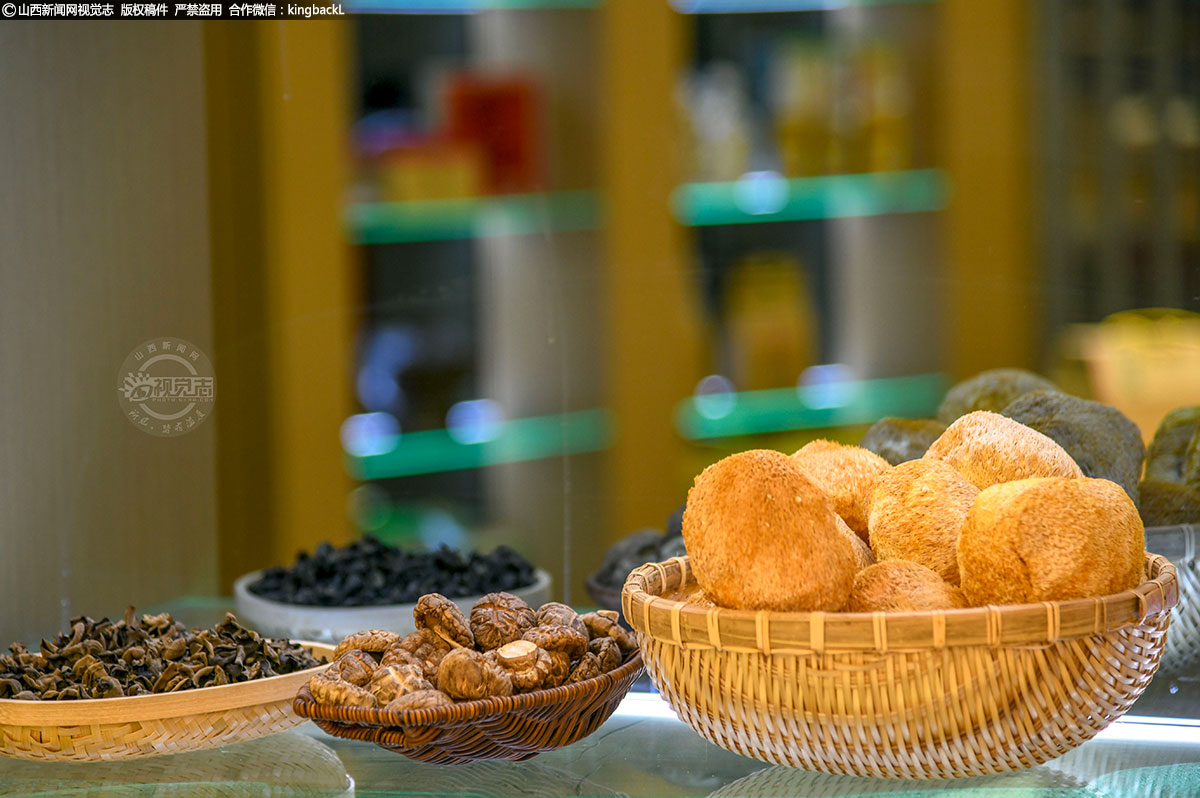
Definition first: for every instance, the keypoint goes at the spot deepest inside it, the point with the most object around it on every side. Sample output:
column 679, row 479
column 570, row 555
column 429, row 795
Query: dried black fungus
column 143, row 654
column 638, row 548
column 369, row 572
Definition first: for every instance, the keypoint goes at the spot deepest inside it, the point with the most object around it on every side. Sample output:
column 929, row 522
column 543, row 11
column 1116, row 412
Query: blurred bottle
column 770, row 321
column 799, row 100
column 720, row 122
column 889, row 124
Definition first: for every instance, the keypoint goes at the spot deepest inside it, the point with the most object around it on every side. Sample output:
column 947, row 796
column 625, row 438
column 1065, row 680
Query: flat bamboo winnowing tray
column 148, row 725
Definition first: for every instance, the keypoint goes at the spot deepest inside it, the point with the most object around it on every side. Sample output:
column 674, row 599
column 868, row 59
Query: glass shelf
column 472, row 217
column 458, row 6
column 769, row 197
column 766, row 6
column 535, row 438
column 840, row 404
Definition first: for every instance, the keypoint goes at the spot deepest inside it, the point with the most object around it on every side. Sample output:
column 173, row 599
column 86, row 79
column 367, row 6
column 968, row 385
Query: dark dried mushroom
column 526, row 665
column 443, row 617
column 466, row 675
column 144, row 654
column 353, row 666
column 390, row 681
column 327, row 689
column 420, row 699
column 374, row 641
column 604, row 624
column 397, row 655
column 554, row 613
column 427, row 648
column 560, row 668
column 500, row 618
column 607, row 652
column 588, row 667
column 558, row 638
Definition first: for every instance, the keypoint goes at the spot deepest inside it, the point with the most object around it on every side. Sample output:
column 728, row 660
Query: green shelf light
column 458, row 6
column 809, row 406
column 472, row 217
column 769, row 197
column 535, row 438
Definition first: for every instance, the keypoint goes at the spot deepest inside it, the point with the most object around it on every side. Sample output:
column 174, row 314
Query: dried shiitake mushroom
column 558, row 638
column 607, row 652
column 526, row 665
column 390, row 681
column 554, row 613
column 331, row 690
column 465, row 674
column 560, row 668
column 443, row 617
column 353, row 666
column 588, row 667
column 427, row 648
column 500, row 618
column 396, row 655
column 375, row 641
column 419, row 699
column 603, row 623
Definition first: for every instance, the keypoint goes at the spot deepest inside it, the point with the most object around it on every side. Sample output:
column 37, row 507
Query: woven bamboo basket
column 511, row 727
column 905, row 695
column 104, row 729
column 1181, row 545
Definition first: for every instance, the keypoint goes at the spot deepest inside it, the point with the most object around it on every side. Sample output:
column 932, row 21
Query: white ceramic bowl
column 331, row 624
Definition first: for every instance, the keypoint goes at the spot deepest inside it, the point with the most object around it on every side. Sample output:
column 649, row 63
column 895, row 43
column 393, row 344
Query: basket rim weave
column 693, row 626
column 159, row 706
column 463, row 712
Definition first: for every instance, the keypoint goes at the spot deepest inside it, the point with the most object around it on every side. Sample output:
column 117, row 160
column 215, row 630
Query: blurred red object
column 501, row 116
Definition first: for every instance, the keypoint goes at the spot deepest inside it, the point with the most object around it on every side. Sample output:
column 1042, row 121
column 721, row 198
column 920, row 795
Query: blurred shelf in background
column 458, row 6
column 724, row 415
column 503, row 441
column 775, row 6
column 472, row 217
column 770, row 197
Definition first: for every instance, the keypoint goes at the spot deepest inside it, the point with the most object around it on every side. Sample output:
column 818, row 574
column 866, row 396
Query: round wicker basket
column 1181, row 545
column 105, row 729
column 510, row 727
column 905, row 695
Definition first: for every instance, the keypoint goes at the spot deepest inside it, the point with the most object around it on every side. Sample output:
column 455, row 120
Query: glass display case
column 305, row 319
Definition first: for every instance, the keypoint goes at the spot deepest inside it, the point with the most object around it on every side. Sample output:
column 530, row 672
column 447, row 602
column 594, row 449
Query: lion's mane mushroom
column 526, row 665
column 500, row 618
column 443, row 617
column 390, row 681
column 465, row 675
column 603, row 623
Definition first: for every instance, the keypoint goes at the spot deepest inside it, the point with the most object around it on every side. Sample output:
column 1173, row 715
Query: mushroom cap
column 761, row 507
column 443, row 617
column 558, row 638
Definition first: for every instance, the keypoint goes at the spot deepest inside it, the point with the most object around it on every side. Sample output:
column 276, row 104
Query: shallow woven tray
column 511, row 727
column 914, row 695
column 105, row 729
